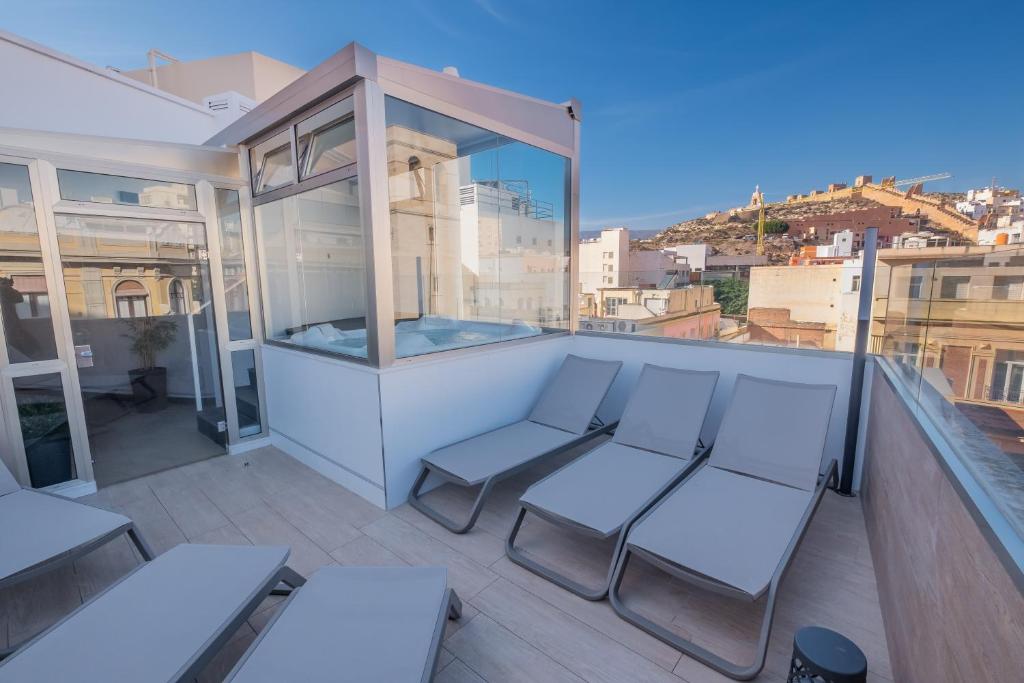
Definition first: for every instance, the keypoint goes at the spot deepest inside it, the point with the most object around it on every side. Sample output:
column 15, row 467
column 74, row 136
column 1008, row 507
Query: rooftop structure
column 256, row 333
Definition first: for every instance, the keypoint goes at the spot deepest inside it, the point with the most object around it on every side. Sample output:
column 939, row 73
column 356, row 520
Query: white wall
column 367, row 429
column 46, row 90
column 430, row 404
column 326, row 413
column 793, row 366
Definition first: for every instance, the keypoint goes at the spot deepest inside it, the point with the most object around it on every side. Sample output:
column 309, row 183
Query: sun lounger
column 372, row 624
column 561, row 419
column 600, row 493
column 42, row 531
column 162, row 622
column 734, row 524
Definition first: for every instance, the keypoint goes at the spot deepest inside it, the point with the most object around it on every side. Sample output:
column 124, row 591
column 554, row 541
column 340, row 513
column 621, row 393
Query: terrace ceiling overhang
column 544, row 124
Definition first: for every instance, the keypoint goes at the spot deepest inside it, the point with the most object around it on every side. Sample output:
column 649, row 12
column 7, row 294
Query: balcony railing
column 953, row 334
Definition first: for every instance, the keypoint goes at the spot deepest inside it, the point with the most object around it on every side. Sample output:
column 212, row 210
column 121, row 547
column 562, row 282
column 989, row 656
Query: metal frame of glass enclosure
column 358, row 73
column 42, row 154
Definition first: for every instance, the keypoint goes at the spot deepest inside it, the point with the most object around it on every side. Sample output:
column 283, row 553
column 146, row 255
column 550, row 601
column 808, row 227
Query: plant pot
column 149, row 389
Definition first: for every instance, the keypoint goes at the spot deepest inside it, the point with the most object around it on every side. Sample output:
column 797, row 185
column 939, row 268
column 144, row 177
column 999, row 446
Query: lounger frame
column 452, row 610
column 191, row 669
column 72, row 554
column 416, row 500
column 586, row 592
column 732, row 670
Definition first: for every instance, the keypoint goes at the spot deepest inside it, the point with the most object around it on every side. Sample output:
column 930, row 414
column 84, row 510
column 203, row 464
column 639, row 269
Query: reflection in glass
column 271, row 163
column 327, row 140
column 232, row 256
column 44, row 429
column 111, row 189
column 479, row 226
column 247, row 399
column 954, row 329
column 316, row 269
column 139, row 302
column 24, row 298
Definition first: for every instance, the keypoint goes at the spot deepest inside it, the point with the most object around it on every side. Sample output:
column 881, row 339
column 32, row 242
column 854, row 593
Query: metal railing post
column 867, row 285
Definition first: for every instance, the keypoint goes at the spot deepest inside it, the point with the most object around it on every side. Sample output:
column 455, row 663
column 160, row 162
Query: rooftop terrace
column 515, row 625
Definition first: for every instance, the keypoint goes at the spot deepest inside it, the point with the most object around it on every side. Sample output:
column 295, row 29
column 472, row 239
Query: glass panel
column 24, row 297
column 271, row 163
column 142, row 320
column 232, row 256
column 333, row 135
column 959, row 348
column 247, row 399
column 479, row 234
column 112, row 189
column 316, row 269
column 43, row 416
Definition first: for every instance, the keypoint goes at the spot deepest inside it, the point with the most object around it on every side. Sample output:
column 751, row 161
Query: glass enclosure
column 140, row 305
column 232, row 256
column 315, row 265
column 478, row 227
column 24, row 297
column 43, row 417
column 111, row 189
column 479, row 234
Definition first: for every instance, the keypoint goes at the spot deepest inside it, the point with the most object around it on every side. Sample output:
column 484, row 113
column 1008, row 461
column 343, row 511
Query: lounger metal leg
column 706, row 657
column 454, row 605
column 554, row 577
column 140, row 544
column 443, row 520
column 291, row 579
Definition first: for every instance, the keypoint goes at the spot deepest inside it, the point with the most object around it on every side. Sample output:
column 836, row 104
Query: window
column 611, row 305
column 270, row 163
column 459, row 217
column 131, row 299
column 43, row 417
column 855, row 284
column 955, row 287
column 327, row 140
column 24, row 298
column 914, row 291
column 111, row 189
column 247, row 399
column 1008, row 287
column 316, row 269
column 232, row 257
column 1008, row 377
column 175, row 298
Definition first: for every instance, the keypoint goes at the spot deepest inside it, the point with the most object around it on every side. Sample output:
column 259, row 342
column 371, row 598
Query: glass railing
column 952, row 329
column 808, row 303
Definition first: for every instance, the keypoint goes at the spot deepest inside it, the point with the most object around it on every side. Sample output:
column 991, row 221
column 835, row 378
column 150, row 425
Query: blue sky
column 686, row 104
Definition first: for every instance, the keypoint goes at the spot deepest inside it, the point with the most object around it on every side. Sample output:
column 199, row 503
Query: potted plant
column 149, row 335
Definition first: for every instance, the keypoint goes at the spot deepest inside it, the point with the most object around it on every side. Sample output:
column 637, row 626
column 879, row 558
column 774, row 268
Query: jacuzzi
column 428, row 334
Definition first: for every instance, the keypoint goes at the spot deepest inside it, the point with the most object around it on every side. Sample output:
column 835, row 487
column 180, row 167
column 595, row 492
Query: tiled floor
column 515, row 626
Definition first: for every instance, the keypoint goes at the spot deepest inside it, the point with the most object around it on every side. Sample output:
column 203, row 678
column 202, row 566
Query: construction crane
column 892, row 183
column 760, row 221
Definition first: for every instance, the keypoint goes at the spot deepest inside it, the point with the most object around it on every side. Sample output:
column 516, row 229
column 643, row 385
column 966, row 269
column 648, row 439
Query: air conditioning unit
column 620, row 326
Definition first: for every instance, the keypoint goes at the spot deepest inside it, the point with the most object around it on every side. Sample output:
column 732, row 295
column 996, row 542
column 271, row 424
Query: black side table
column 823, row 655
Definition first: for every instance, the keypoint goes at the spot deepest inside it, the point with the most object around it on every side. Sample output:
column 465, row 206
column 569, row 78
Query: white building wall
column 604, row 257
column 695, row 255
column 49, row 91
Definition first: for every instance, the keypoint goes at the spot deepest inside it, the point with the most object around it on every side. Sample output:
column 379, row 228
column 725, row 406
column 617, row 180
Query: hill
column 735, row 235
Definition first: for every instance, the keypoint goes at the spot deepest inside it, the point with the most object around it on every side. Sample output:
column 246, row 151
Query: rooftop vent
column 451, row 71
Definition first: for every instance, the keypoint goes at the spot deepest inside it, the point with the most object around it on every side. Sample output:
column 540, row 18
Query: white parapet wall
column 367, row 429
